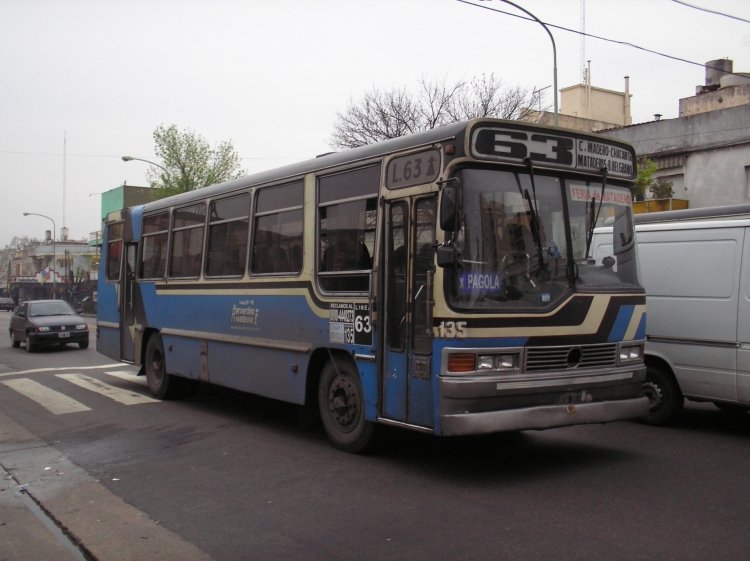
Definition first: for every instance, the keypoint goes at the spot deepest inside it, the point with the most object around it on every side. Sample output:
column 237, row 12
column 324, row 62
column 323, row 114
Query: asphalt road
column 230, row 477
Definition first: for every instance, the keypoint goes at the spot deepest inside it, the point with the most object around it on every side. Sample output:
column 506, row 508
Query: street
column 229, row 477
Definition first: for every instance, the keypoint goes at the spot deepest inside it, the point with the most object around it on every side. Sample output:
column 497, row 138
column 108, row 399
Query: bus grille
column 574, row 356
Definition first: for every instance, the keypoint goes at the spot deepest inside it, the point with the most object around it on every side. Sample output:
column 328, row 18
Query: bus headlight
column 484, row 362
column 501, row 362
column 631, row 353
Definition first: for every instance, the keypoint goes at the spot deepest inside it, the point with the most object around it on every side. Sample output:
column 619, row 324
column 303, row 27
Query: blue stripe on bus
column 641, row 331
column 622, row 321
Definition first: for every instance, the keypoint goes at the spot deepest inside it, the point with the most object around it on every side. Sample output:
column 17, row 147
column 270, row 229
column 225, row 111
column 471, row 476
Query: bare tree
column 382, row 115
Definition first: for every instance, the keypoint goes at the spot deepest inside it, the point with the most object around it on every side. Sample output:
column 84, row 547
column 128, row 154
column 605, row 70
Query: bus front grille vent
column 574, row 356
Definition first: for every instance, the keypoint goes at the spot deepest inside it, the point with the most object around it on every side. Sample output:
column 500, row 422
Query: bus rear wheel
column 161, row 384
column 341, row 402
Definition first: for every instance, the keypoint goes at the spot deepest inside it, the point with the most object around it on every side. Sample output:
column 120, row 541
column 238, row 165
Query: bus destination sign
column 413, row 169
column 580, row 153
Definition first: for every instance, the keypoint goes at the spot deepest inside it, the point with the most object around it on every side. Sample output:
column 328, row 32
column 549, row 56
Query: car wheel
column 342, row 407
column 665, row 399
column 15, row 343
column 83, row 345
column 30, row 346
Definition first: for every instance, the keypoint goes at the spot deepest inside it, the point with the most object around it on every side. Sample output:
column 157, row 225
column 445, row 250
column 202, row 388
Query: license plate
column 63, row 335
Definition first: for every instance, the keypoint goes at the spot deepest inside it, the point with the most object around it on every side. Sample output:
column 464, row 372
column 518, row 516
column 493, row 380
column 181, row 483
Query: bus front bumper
column 543, row 417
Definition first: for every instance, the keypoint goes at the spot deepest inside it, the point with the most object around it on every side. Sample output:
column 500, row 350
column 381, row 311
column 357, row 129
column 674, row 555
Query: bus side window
column 227, row 236
column 154, row 246
column 187, row 241
column 114, row 250
column 347, row 217
column 278, row 227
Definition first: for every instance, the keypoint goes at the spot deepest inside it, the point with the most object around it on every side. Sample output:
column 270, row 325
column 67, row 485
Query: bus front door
column 407, row 383
column 127, row 305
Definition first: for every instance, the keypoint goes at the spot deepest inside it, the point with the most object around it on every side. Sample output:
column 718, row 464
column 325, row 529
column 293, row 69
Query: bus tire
column 161, row 384
column 342, row 407
column 664, row 396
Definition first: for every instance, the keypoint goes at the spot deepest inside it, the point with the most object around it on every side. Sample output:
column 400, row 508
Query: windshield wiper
column 536, row 228
column 594, row 218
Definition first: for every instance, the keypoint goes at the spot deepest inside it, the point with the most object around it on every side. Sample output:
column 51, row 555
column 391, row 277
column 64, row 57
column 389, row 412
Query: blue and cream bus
column 441, row 282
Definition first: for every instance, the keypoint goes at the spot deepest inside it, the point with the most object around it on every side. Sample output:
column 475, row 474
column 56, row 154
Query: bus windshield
column 519, row 248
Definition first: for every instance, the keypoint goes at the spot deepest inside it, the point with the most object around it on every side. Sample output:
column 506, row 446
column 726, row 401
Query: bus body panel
column 565, row 393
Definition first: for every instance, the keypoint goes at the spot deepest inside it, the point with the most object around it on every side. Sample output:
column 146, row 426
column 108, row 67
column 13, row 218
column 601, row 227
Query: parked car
column 7, row 304
column 47, row 322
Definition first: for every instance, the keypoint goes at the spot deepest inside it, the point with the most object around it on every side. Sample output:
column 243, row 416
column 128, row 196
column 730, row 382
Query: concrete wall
column 716, row 150
column 603, row 105
column 723, row 98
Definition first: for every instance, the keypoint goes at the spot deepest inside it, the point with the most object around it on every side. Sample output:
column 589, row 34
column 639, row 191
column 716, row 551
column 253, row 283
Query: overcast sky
column 270, row 75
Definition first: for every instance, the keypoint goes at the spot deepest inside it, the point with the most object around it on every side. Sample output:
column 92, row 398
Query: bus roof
column 452, row 131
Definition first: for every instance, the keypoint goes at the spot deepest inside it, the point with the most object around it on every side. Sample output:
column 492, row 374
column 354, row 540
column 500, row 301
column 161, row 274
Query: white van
column 695, row 267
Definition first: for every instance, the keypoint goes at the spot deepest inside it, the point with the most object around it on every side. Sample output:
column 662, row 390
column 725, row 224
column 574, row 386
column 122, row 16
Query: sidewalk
column 108, row 527
column 23, row 535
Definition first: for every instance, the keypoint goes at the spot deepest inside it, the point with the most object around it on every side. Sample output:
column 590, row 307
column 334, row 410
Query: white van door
column 691, row 277
column 743, row 326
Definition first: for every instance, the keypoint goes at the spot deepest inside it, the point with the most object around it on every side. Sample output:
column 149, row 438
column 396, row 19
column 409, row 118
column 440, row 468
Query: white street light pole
column 554, row 51
column 130, row 158
column 54, row 251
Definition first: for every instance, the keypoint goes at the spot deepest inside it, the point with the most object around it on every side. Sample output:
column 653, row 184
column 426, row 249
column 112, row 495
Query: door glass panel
column 424, row 248
column 396, row 255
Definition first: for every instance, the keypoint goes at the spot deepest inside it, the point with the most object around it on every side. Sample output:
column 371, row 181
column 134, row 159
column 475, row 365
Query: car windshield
column 60, row 308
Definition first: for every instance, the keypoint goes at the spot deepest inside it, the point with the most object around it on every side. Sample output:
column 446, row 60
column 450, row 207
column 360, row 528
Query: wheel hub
column 654, row 394
column 342, row 402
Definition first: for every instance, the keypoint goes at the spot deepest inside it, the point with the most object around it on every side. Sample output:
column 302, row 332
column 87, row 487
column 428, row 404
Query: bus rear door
column 127, row 304
column 407, row 360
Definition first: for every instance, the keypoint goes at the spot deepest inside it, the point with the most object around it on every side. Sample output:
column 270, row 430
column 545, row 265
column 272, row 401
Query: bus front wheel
column 159, row 382
column 342, row 410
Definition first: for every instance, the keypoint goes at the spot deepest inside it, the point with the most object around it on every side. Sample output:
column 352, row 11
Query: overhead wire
column 584, row 34
column 716, row 12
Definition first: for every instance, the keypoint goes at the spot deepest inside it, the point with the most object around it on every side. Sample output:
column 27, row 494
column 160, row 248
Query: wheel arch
column 320, row 357
column 655, row 360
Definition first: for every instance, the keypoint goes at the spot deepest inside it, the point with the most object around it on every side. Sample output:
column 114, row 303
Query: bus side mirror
column 449, row 208
column 447, row 256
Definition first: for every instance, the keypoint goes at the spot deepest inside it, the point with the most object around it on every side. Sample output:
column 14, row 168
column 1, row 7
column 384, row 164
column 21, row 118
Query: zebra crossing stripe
column 127, row 376
column 126, row 397
column 54, row 401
